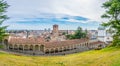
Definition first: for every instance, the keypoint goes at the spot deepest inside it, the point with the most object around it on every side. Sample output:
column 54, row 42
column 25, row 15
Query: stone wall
column 39, row 49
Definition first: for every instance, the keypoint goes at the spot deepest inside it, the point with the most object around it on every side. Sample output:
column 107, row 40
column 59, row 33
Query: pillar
column 18, row 47
column 39, row 47
column 7, row 47
column 23, row 48
column 12, row 47
column 33, row 48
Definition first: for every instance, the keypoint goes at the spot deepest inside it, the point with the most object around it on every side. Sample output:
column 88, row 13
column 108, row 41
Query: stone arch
column 56, row 50
column 60, row 49
column 6, row 42
column 87, row 44
column 31, row 47
column 10, row 46
column 64, row 48
column 20, row 47
column 67, row 48
column 36, row 47
column 26, row 47
column 47, row 51
column 16, row 47
column 52, row 51
column 41, row 47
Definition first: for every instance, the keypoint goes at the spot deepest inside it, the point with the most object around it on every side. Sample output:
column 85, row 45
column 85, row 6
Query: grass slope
column 104, row 57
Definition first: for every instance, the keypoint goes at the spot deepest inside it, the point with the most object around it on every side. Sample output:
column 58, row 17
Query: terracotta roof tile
column 64, row 43
column 49, row 44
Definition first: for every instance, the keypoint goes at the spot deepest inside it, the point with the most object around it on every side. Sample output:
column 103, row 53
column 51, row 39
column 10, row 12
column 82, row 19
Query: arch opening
column 21, row 47
column 26, row 48
column 42, row 48
column 10, row 46
column 16, row 47
column 36, row 47
column 6, row 42
column 31, row 47
column 56, row 50
column 60, row 49
column 47, row 51
column 52, row 50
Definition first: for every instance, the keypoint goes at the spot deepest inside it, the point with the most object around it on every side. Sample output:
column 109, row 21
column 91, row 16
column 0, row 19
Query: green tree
column 113, row 14
column 3, row 17
column 79, row 33
column 64, row 33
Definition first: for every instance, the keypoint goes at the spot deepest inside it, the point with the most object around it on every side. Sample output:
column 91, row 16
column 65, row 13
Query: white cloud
column 86, row 8
column 34, row 8
column 20, row 9
column 80, row 21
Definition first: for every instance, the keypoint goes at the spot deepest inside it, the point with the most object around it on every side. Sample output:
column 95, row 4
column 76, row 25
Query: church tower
column 55, row 30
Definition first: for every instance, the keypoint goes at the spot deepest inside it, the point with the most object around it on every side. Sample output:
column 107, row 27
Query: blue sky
column 41, row 14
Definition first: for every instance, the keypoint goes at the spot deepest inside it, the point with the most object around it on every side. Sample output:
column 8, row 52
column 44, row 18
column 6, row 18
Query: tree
column 79, row 33
column 64, row 33
column 113, row 15
column 3, row 17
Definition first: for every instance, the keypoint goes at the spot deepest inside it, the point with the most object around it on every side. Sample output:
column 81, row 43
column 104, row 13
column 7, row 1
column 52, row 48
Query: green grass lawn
column 104, row 57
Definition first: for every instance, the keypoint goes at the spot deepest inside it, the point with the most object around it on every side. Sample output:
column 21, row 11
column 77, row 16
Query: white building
column 103, row 35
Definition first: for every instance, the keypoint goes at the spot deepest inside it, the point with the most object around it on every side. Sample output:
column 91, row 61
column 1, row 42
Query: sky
column 41, row 14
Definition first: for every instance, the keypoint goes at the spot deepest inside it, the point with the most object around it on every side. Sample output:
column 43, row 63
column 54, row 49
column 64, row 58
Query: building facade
column 103, row 35
column 37, row 47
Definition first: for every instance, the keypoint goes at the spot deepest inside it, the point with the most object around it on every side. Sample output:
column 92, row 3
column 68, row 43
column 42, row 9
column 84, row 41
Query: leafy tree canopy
column 79, row 33
column 113, row 15
column 3, row 17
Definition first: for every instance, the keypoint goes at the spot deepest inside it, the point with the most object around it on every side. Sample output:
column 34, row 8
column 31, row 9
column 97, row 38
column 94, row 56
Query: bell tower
column 55, row 30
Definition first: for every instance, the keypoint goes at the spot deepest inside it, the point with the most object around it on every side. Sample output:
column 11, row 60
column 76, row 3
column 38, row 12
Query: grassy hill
column 104, row 57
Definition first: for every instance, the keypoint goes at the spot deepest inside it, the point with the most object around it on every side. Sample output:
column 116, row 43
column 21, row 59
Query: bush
column 98, row 48
column 116, row 41
column 1, row 46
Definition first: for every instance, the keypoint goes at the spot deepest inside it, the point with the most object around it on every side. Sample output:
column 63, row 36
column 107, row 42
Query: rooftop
column 49, row 44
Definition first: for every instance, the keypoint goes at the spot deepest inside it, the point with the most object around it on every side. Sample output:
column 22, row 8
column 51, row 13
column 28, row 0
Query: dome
column 101, row 28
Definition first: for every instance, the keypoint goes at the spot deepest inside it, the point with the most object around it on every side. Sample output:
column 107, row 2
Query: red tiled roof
column 49, row 44
column 64, row 43
column 26, row 40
